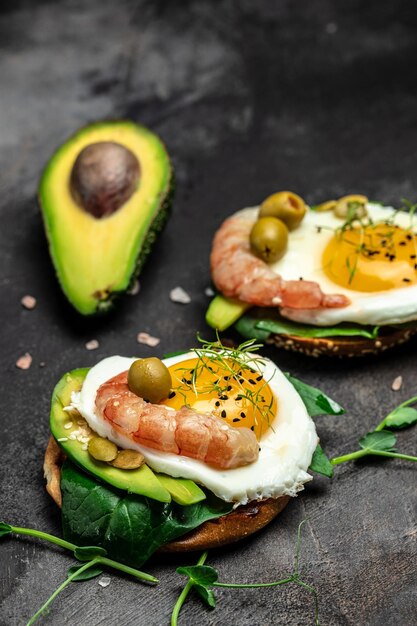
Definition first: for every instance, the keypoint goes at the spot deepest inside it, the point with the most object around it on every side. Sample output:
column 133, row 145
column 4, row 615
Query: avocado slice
column 142, row 481
column 105, row 194
column 223, row 312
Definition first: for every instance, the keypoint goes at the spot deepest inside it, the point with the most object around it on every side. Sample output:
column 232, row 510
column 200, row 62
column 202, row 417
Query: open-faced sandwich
column 195, row 451
column 339, row 278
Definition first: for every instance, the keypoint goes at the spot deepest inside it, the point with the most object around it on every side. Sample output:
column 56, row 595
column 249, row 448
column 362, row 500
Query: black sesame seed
column 236, row 419
column 241, row 380
column 238, row 398
column 252, row 427
column 409, row 237
column 243, row 414
column 252, row 382
column 172, row 395
column 223, row 413
column 413, row 256
column 226, row 377
column 229, row 388
column 224, row 397
column 217, row 403
column 402, row 243
column 406, row 280
column 259, row 378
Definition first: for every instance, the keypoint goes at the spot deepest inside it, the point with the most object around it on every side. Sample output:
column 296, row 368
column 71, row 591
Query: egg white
column 286, row 449
column 303, row 259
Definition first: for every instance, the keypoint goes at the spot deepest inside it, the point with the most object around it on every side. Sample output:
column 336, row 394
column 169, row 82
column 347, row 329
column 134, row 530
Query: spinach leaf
column 320, row 463
column 282, row 327
column 316, row 401
column 247, row 327
column 130, row 527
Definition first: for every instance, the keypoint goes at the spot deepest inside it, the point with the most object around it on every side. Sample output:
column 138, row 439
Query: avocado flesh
column 142, row 481
column 224, row 312
column 95, row 259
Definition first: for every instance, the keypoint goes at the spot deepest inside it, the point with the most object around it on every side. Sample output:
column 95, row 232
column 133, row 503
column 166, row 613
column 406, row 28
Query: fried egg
column 271, row 408
column 374, row 266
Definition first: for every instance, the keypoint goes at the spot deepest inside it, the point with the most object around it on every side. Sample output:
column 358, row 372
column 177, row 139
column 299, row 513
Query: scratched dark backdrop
column 250, row 97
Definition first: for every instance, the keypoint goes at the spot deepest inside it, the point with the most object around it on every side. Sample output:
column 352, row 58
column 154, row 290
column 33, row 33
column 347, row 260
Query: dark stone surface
column 250, row 98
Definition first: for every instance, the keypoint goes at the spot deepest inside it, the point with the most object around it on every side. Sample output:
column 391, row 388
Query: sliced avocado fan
column 104, row 195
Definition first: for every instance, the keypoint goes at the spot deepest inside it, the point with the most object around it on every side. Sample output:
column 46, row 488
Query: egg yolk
column 372, row 258
column 227, row 389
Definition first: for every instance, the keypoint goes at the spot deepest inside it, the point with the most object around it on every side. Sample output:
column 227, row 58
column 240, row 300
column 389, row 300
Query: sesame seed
column 224, row 397
column 84, row 446
column 62, row 439
column 226, row 377
column 236, row 419
column 217, row 403
column 72, row 437
column 252, row 427
column 68, row 425
column 259, row 378
column 397, row 383
column 406, row 280
column 243, row 414
column 172, row 395
column 252, row 382
column 223, row 413
column 229, row 388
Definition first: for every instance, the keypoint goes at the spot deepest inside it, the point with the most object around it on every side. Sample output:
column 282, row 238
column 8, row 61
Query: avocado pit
column 104, row 176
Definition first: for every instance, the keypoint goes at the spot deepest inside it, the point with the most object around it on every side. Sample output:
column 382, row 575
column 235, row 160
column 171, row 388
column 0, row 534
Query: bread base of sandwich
column 240, row 523
column 343, row 346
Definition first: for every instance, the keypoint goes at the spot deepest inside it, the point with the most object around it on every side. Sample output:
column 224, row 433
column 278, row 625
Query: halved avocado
column 142, row 481
column 105, row 194
column 223, row 312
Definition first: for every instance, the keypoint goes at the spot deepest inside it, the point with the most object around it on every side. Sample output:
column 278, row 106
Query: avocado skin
column 142, row 481
column 157, row 226
column 103, row 304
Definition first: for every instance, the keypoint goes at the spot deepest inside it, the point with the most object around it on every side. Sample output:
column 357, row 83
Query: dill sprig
column 213, row 357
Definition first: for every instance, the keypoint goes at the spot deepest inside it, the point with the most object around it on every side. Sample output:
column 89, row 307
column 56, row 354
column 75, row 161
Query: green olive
column 286, row 206
column 149, row 379
column 353, row 207
column 128, row 460
column 102, row 449
column 269, row 239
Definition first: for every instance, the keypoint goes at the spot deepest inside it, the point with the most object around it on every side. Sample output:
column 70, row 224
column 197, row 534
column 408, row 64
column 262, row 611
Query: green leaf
column 315, row 400
column 247, row 327
column 282, row 327
column 5, row 529
column 168, row 355
column 378, row 440
column 207, row 595
column 401, row 417
column 87, row 553
column 199, row 574
column 130, row 527
column 89, row 573
column 320, row 463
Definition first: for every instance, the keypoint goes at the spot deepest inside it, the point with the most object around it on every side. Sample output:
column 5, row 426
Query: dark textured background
column 250, row 97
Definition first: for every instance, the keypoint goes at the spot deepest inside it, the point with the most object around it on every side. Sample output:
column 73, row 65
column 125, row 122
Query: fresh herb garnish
column 379, row 442
column 213, row 359
column 203, row 578
column 94, row 556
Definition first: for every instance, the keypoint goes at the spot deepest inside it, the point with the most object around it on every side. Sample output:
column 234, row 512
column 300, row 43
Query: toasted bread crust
column 342, row 346
column 240, row 523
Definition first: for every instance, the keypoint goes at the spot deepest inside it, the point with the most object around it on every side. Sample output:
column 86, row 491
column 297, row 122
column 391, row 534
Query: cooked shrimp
column 199, row 436
column 238, row 273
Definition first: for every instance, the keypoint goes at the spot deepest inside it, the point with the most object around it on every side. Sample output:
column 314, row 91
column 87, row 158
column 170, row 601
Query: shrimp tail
column 186, row 432
column 238, row 273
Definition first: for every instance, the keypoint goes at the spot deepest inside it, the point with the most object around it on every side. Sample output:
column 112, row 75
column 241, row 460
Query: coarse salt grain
column 148, row 340
column 104, row 582
column 134, row 289
column 209, row 291
column 92, row 345
column 28, row 302
column 179, row 295
column 24, row 362
column 397, row 383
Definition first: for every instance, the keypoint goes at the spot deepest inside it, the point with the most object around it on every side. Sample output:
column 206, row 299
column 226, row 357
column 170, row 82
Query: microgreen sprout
column 94, row 557
column 203, row 578
column 379, row 442
column 214, row 358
